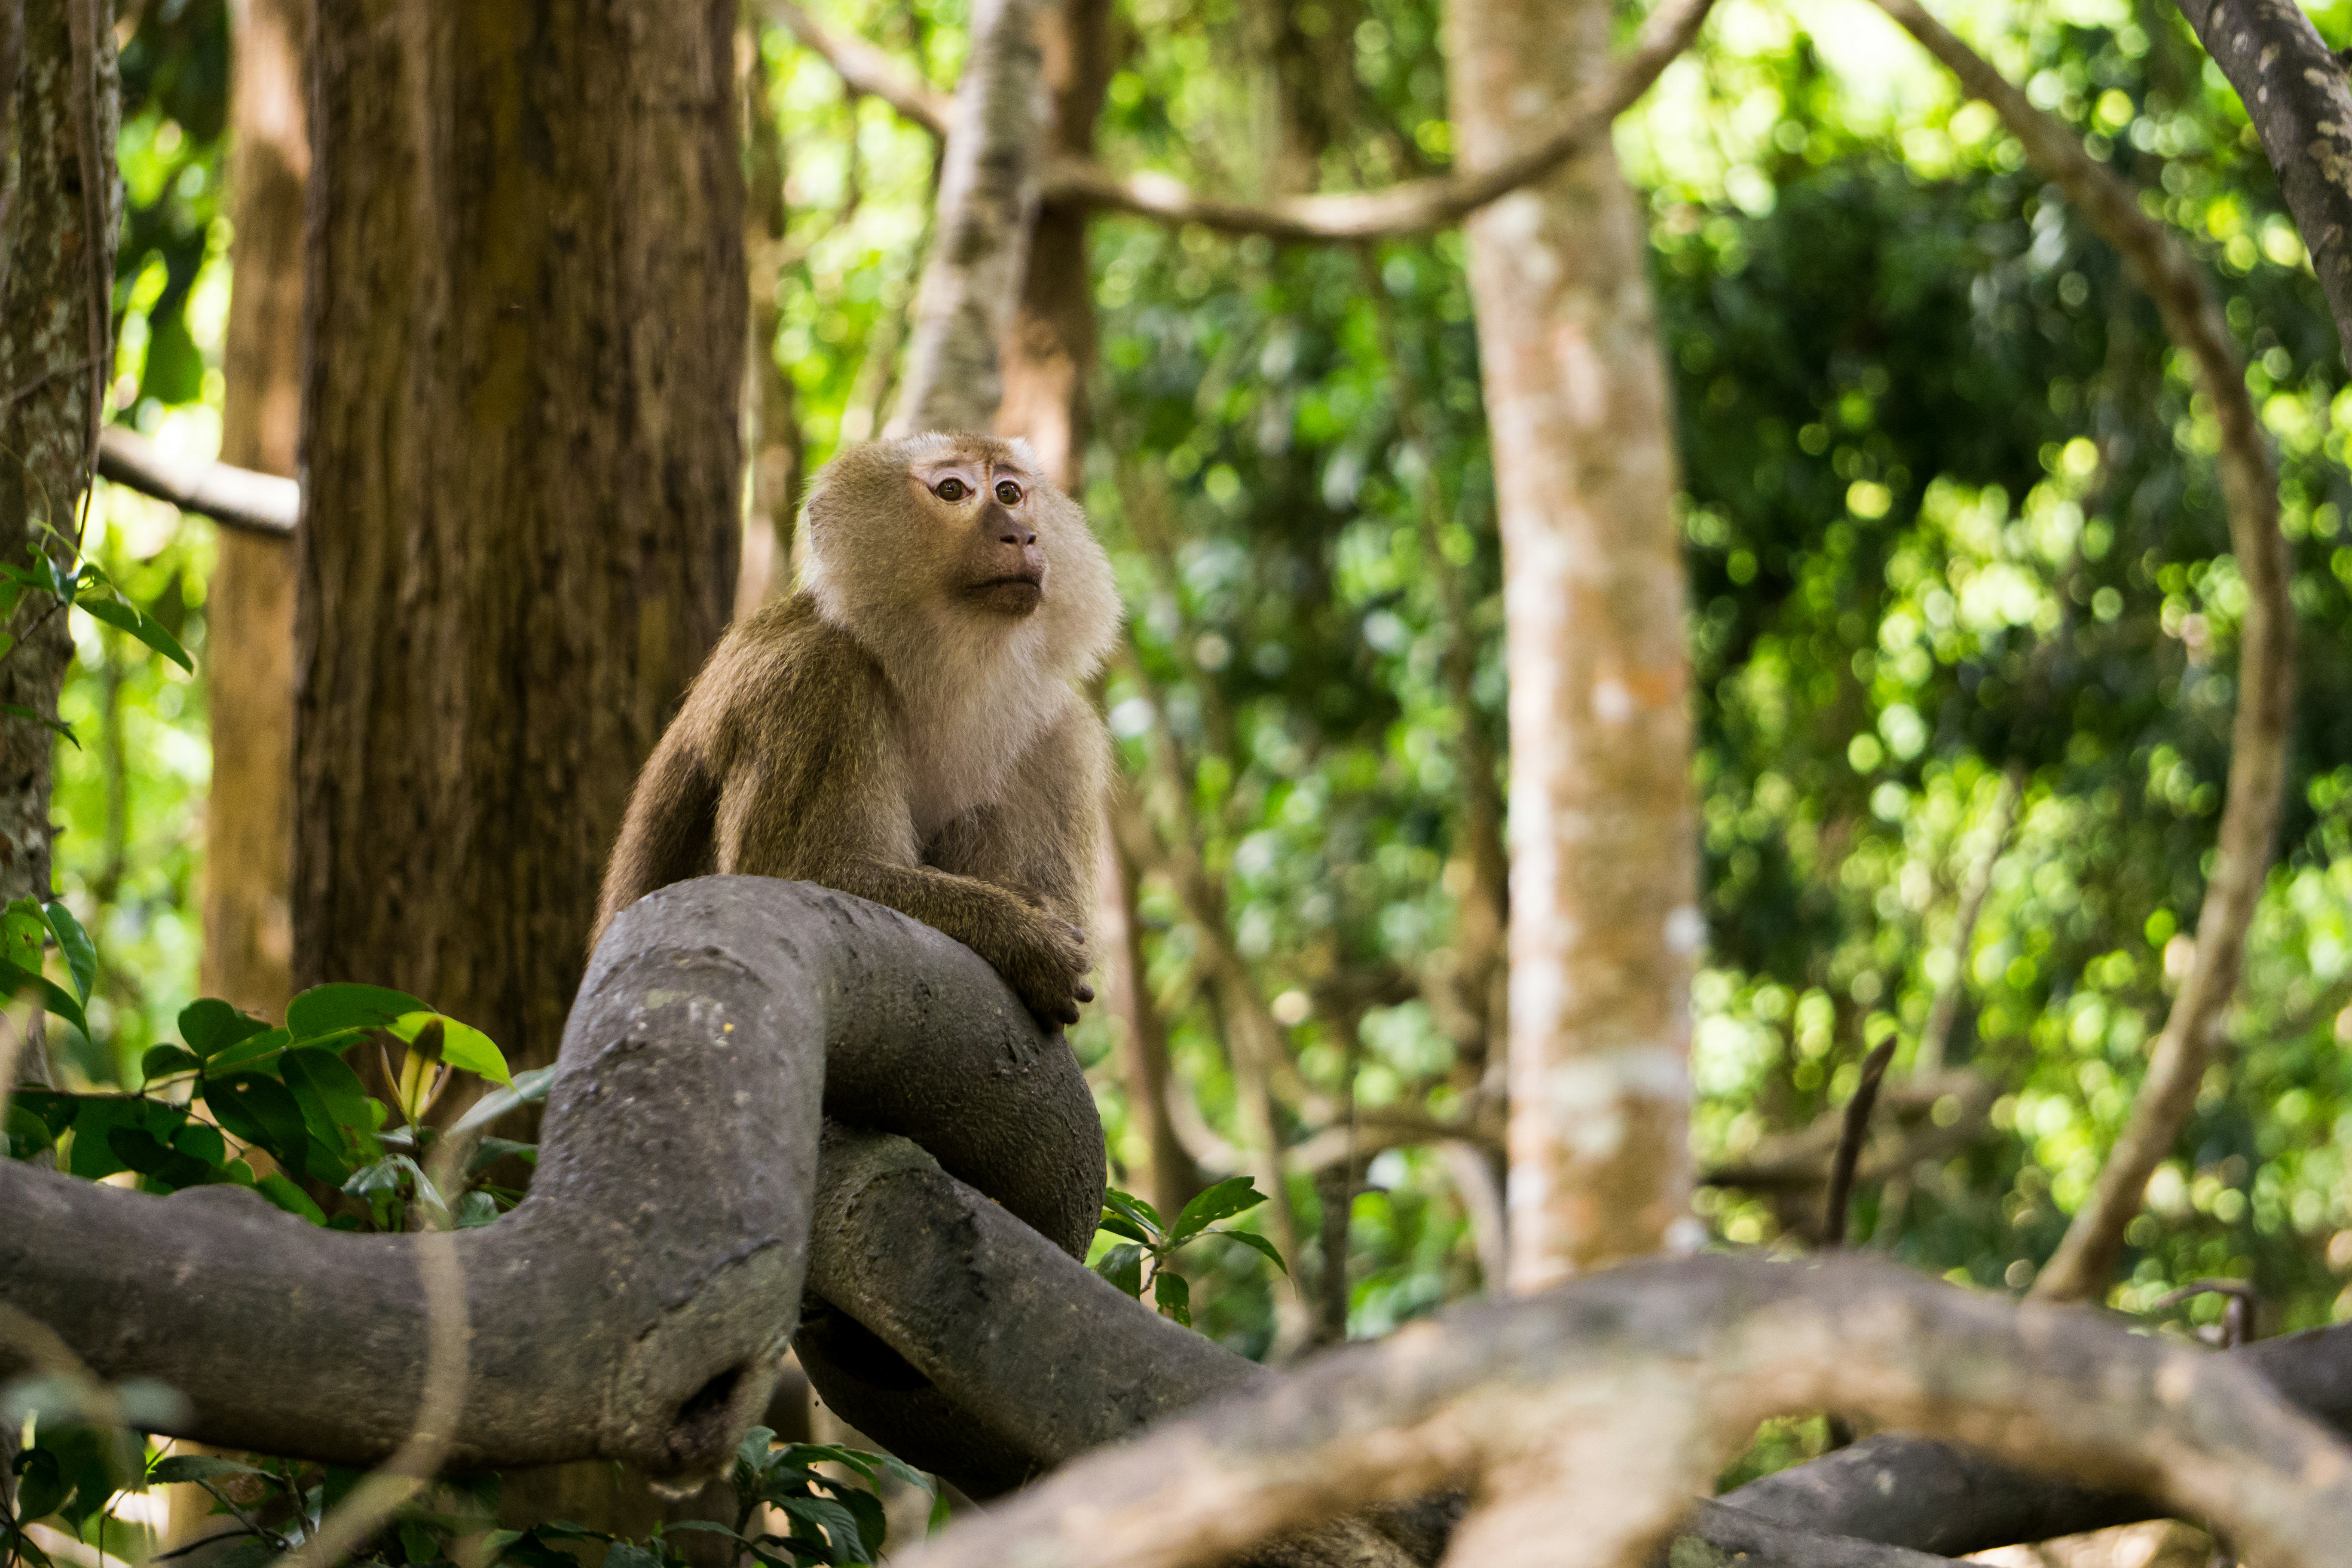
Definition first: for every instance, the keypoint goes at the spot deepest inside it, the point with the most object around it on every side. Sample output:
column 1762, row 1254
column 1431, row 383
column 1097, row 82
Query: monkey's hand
column 1046, row 962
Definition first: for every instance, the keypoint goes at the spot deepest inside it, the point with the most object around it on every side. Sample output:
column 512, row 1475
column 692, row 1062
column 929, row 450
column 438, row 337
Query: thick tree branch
column 988, row 200
column 2294, row 90
column 234, row 498
column 2161, row 266
column 633, row 1307
column 1686, row 1357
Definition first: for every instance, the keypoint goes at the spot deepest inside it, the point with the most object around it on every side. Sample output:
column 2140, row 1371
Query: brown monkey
column 909, row 726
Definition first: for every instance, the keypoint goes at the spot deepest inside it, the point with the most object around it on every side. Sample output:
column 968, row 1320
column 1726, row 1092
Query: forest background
column 1964, row 625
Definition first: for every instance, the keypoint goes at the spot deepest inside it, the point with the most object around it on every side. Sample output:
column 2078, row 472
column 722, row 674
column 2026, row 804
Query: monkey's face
column 989, row 508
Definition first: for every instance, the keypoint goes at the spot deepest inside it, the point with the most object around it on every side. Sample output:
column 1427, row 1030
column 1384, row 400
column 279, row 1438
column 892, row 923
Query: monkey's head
column 960, row 535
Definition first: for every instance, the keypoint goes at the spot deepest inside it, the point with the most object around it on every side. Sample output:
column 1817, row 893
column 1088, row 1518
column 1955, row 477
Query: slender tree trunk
column 1604, row 918
column 987, row 202
column 522, row 458
column 249, row 600
column 771, row 414
column 1050, row 352
column 1173, row 1177
column 58, row 270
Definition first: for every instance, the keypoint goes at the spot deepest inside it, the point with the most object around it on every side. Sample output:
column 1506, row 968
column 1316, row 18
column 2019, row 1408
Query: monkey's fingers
column 1066, row 1014
column 1084, row 992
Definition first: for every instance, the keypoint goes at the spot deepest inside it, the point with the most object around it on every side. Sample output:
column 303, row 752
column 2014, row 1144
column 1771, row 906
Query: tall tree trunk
column 57, row 274
column 1605, row 917
column 249, row 600
column 59, row 104
column 522, row 457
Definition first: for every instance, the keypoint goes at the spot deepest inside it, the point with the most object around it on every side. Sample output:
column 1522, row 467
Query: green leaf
column 873, row 1525
column 624, row 1554
column 1172, row 1294
column 92, row 1154
column 115, row 612
column 940, row 1513
column 56, row 1109
column 838, row 1523
column 1256, row 1243
column 1123, row 1267
column 462, row 1044
column 24, row 934
column 475, row 1210
column 55, row 998
column 162, row 1061
column 1234, row 1195
column 282, row 1192
column 211, row 1026
column 704, row 1526
column 1136, row 1212
column 260, row 1111
column 80, row 954
column 18, row 711
column 528, row 1088
column 334, row 1100
column 492, row 1150
column 330, row 1009
column 1119, row 1225
column 41, row 1484
column 257, row 1052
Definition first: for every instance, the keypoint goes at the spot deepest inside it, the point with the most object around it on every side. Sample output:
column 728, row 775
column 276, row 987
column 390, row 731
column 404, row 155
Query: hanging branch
column 2161, row 266
column 2294, row 90
column 1414, row 208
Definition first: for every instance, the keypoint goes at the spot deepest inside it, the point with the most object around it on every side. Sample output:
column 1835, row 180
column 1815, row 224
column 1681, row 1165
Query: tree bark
column 988, row 198
column 1605, row 917
column 634, row 1305
column 1049, row 352
column 2294, row 90
column 249, row 600
column 771, row 408
column 522, row 459
column 59, row 269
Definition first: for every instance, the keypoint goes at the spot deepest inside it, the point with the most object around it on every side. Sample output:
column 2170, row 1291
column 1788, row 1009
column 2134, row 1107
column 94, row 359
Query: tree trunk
column 772, row 412
column 57, row 273
column 1604, row 917
column 250, row 599
column 987, row 203
column 1050, row 351
column 521, row 451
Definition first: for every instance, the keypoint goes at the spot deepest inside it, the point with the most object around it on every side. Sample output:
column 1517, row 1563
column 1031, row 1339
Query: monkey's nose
column 1015, row 534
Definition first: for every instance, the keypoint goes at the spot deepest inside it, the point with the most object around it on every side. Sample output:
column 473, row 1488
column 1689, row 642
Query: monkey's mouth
column 1016, row 594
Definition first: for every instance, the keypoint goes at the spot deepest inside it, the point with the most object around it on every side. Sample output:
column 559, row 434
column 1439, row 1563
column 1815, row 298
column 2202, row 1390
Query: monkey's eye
column 951, row 490
column 1008, row 492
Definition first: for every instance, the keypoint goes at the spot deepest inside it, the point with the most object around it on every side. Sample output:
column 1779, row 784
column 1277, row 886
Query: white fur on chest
column 964, row 749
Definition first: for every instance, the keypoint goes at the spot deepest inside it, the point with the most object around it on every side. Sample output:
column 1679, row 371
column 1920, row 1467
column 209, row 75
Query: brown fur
column 910, row 726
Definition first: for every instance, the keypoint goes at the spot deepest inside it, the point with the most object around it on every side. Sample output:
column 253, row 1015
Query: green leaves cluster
column 1149, row 1238
column 286, row 1091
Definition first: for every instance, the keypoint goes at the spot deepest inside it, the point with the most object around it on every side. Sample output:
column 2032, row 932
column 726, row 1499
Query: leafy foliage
column 1146, row 1239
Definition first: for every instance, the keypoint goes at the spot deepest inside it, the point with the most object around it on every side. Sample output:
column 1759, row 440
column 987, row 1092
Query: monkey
column 910, row 725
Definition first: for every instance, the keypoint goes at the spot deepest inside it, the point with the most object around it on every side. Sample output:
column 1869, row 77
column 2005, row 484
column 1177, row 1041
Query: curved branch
column 863, row 68
column 1685, row 1357
column 2161, row 266
column 1415, row 206
column 633, row 1306
column 2293, row 88
column 234, row 498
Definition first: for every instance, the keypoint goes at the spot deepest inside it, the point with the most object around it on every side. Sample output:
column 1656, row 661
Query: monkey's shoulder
column 787, row 668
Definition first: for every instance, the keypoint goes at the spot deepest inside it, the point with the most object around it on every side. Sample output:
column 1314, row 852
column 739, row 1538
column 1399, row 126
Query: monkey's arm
column 1040, row 840
column 820, row 795
column 665, row 836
